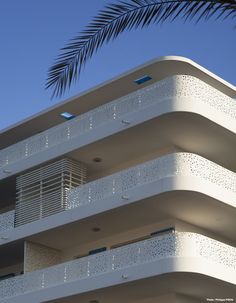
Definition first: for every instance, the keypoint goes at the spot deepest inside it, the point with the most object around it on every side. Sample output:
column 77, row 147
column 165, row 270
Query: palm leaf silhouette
column 117, row 17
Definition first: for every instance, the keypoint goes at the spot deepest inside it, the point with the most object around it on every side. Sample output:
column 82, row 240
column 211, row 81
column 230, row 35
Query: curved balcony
column 172, row 165
column 177, row 251
column 206, row 184
column 178, row 93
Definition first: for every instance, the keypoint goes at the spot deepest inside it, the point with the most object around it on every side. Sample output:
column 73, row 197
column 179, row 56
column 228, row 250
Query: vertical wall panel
column 37, row 256
column 43, row 192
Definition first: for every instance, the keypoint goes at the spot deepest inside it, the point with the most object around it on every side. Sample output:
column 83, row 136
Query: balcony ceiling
column 191, row 207
column 167, row 133
column 158, row 69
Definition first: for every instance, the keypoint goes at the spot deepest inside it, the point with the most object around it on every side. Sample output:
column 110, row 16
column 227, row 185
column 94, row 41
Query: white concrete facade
column 155, row 220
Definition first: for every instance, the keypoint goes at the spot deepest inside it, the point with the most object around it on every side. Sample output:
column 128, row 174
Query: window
column 97, row 250
column 162, row 231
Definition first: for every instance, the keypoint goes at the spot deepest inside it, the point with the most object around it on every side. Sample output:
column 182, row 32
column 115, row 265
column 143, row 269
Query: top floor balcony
column 175, row 94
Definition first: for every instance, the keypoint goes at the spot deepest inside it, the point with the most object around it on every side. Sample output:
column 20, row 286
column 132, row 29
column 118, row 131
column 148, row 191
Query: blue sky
column 32, row 32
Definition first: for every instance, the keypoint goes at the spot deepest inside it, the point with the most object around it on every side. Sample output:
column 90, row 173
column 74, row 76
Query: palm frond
column 115, row 18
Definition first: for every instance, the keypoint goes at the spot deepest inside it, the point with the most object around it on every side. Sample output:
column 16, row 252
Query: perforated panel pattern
column 178, row 164
column 7, row 220
column 171, row 245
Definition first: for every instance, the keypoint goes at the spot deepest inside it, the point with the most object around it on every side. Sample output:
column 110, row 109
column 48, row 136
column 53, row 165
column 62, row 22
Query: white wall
column 37, row 256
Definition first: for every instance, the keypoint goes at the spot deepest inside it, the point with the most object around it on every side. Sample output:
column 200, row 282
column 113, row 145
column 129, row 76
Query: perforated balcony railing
column 172, row 245
column 177, row 164
column 7, row 220
column 175, row 86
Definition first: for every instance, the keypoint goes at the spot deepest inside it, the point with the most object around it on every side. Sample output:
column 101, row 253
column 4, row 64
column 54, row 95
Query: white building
column 133, row 199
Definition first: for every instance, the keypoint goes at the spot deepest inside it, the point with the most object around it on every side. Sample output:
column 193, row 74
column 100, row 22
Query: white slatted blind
column 43, row 192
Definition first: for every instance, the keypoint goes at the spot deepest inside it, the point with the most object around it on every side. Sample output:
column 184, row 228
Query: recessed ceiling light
column 142, row 79
column 67, row 115
column 96, row 229
column 97, row 159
